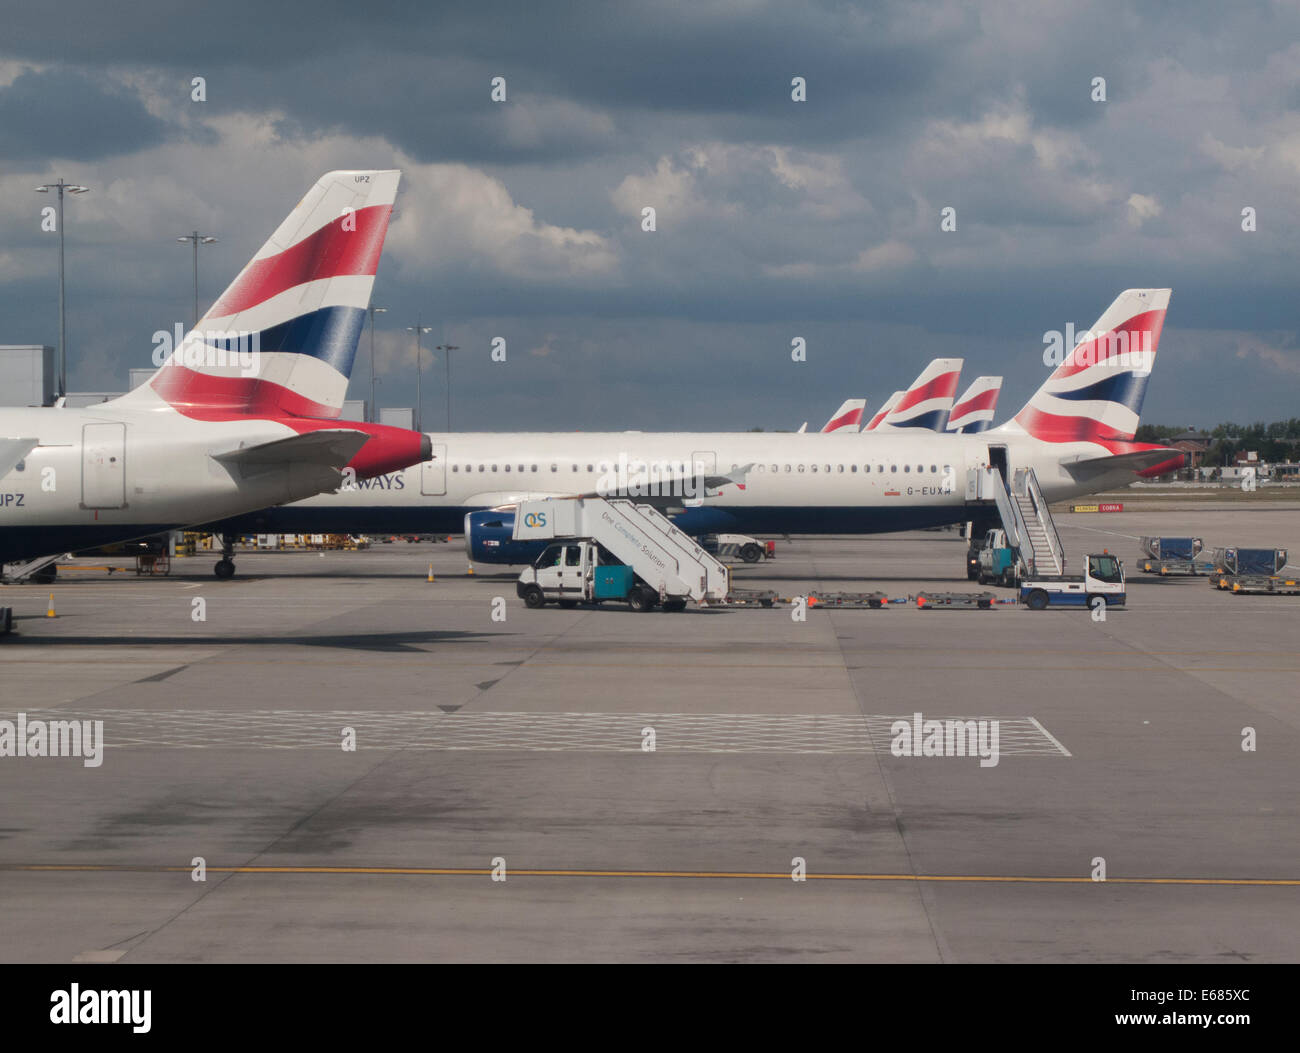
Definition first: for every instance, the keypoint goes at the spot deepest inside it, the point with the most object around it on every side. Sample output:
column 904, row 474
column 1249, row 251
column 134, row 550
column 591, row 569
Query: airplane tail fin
column 280, row 341
column 883, row 412
column 848, row 417
column 1096, row 393
column 973, row 412
column 927, row 403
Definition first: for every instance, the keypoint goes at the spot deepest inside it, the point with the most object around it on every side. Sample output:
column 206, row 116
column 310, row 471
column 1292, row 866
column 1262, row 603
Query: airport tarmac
column 484, row 745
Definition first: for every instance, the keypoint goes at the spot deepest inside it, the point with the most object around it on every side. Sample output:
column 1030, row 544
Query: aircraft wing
column 14, row 450
column 328, row 447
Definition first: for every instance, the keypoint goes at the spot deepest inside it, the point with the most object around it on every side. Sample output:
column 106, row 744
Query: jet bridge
column 665, row 558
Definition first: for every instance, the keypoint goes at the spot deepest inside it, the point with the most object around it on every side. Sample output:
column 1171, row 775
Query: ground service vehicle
column 1103, row 579
column 998, row 562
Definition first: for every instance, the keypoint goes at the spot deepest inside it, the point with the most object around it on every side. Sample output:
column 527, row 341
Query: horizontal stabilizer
column 14, row 450
column 328, row 447
column 1137, row 462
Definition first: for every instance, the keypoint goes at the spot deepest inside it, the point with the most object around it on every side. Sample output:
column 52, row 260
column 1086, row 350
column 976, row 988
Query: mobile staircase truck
column 615, row 549
column 1027, row 542
column 1103, row 578
column 1174, row 555
column 1254, row 570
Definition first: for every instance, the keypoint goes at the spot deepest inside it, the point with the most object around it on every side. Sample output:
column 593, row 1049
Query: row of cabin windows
column 604, row 467
column 525, row 467
column 880, row 468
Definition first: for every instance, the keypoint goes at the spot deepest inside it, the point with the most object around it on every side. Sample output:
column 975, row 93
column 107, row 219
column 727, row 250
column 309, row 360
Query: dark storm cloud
column 68, row 114
column 774, row 217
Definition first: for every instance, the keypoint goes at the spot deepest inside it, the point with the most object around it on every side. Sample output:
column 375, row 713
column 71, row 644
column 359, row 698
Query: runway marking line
column 686, row 874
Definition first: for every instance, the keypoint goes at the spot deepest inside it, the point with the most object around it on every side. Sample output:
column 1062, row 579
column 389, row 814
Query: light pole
column 372, row 310
column 418, row 329
column 71, row 188
column 448, row 349
column 198, row 239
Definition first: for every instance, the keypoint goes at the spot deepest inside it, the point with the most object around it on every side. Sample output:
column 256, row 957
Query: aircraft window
column 787, row 467
column 604, row 466
column 814, row 468
column 575, row 467
column 841, row 467
column 947, row 469
column 534, row 467
column 482, row 467
column 554, row 468
column 920, row 467
column 507, row 468
column 852, row 468
column 776, row 467
column 907, row 467
column 573, row 555
column 934, row 469
column 455, row 467
column 893, row 467
column 494, row 467
column 801, row 467
column 590, row 468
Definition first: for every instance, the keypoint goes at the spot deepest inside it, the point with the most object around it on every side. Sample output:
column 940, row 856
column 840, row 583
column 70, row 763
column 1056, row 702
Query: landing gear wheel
column 568, row 605
column 534, row 597
column 225, row 569
column 1037, row 600
column 674, row 605
column 751, row 553
column 640, row 599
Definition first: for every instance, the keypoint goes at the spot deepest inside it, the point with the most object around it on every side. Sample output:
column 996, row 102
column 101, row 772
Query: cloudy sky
column 776, row 219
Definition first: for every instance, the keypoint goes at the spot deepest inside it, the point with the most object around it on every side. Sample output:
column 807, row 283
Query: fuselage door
column 433, row 472
column 103, row 466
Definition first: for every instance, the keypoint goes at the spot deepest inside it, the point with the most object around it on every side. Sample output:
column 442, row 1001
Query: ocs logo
column 535, row 519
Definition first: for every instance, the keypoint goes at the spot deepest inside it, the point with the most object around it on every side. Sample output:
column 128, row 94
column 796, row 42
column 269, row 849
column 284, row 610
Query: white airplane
column 974, row 411
column 242, row 415
column 1076, row 434
column 847, row 418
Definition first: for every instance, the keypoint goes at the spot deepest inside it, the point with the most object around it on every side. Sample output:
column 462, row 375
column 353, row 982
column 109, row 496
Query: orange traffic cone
column 430, row 578
column 50, row 613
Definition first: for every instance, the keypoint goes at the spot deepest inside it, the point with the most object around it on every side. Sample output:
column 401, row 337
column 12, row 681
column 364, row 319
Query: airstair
column 18, row 572
column 668, row 560
column 1025, row 517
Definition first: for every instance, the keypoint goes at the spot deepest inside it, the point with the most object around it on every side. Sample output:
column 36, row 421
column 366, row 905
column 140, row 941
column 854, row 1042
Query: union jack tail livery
column 279, row 342
column 927, row 403
column 1095, row 395
column 847, row 417
column 973, row 412
column 883, row 412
